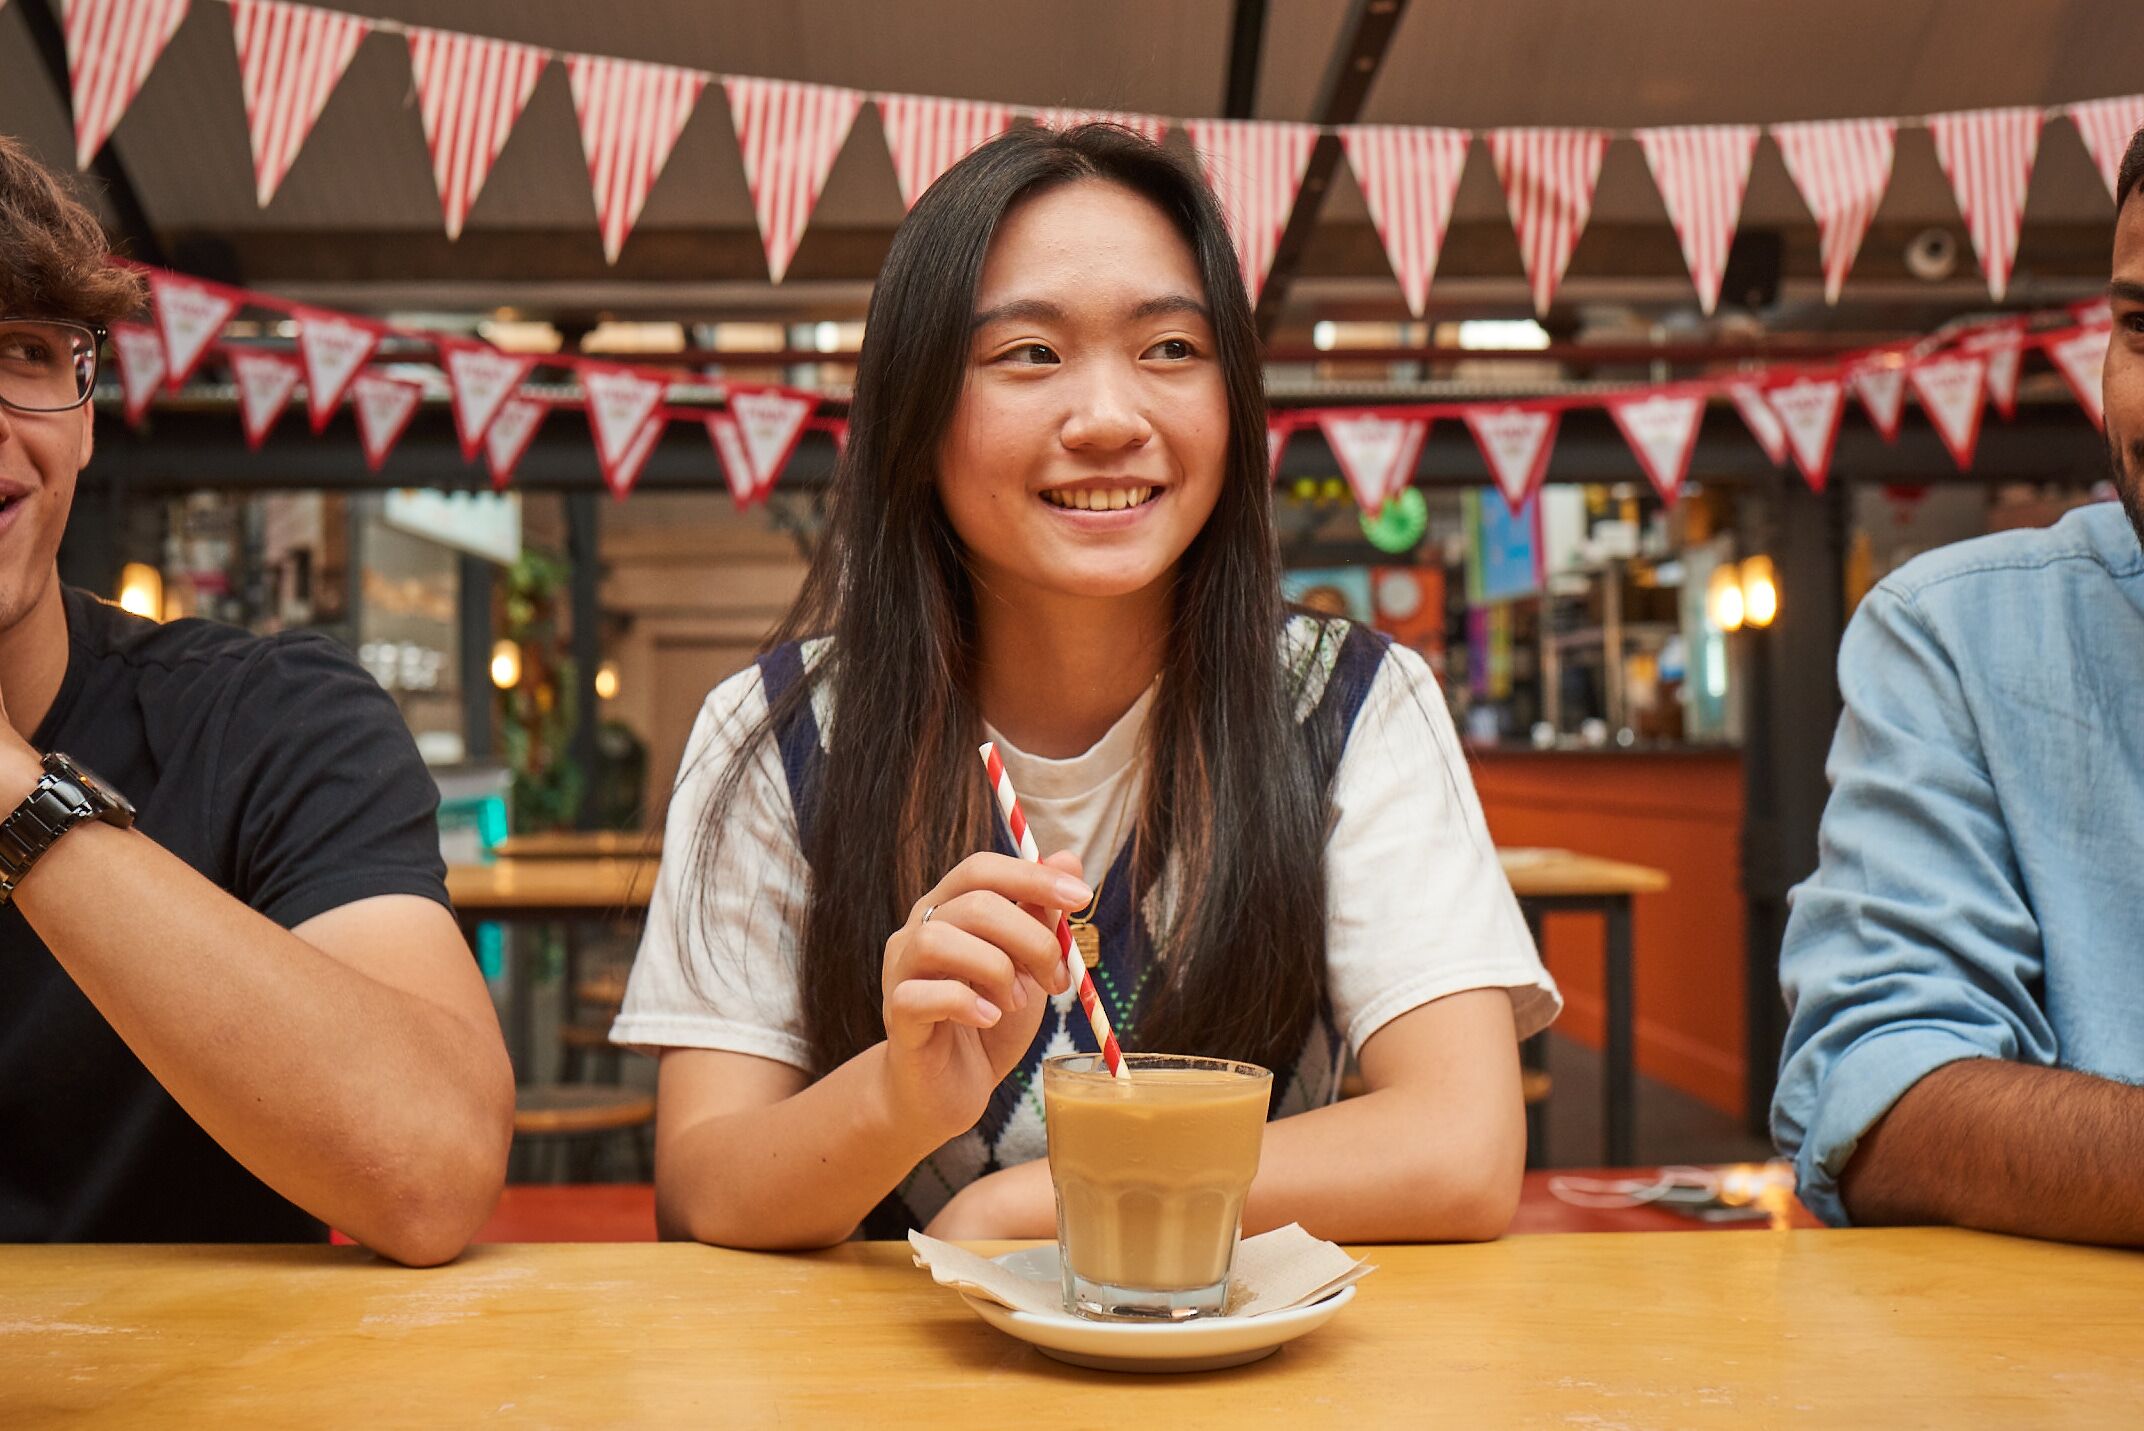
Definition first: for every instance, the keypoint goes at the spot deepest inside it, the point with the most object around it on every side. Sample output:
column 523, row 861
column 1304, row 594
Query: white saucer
column 1205, row 1345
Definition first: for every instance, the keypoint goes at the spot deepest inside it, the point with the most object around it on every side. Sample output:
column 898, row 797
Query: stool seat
column 606, row 989
column 571, row 1108
column 586, row 1036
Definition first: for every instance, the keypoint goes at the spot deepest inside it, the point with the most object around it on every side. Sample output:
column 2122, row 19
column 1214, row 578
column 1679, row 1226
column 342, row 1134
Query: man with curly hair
column 234, row 1004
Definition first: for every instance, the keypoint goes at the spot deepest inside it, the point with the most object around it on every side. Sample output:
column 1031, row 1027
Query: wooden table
column 1819, row 1329
column 582, row 844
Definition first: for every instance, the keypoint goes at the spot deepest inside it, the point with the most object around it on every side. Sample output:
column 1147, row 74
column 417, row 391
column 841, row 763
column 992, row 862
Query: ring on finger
column 928, row 911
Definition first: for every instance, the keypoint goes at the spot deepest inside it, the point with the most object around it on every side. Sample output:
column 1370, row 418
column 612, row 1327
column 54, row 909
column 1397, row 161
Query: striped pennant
column 1842, row 168
column 111, row 47
column 480, row 379
column 620, row 403
column 141, row 366
column 290, row 58
column 1809, row 409
column 1763, row 423
column 631, row 115
column 266, row 380
column 384, row 407
column 929, row 136
column 470, row 92
column 512, row 432
column 2106, row 126
column 1151, row 126
column 1881, row 386
column 1408, row 177
column 789, row 135
column 1661, row 428
column 1548, row 177
column 1988, row 155
column 1255, row 169
column 2081, row 358
column 1703, row 172
column 2003, row 345
column 1950, row 387
column 1515, row 442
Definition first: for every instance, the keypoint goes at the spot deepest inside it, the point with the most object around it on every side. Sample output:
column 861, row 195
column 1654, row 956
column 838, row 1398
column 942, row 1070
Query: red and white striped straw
column 1082, row 978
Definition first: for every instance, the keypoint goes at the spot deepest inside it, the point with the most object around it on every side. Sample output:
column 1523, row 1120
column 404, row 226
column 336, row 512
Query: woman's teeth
column 1113, row 500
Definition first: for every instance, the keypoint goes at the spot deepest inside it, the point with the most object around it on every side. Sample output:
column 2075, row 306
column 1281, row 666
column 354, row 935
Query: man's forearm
column 2007, row 1147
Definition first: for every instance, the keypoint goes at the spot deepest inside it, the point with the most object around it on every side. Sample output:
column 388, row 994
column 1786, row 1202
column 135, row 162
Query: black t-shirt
column 279, row 770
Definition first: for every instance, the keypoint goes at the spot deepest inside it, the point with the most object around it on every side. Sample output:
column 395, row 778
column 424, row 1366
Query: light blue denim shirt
column 1981, row 888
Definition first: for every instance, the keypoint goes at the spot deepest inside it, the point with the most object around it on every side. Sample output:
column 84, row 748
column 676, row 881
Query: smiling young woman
column 1052, row 527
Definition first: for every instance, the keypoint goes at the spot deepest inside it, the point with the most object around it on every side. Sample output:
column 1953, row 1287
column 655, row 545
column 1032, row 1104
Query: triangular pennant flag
column 620, row 402
column 2106, row 126
column 111, row 47
column 2081, row 358
column 1408, row 176
column 1376, row 454
column 470, row 92
column 384, row 407
column 1988, row 155
column 736, row 463
column 1152, row 126
column 1950, row 387
column 1809, row 411
column 1882, row 390
column 334, row 349
column 1548, row 177
column 1276, row 439
column 190, row 315
column 1703, row 172
column 2092, row 313
column 512, row 431
column 290, row 58
column 770, row 421
column 266, row 382
column 479, row 379
column 1842, row 168
column 1661, row 428
column 928, row 136
column 631, row 115
column 620, row 476
column 1255, row 169
column 1763, row 423
column 141, row 366
column 1515, row 442
column 789, row 135
column 2003, row 345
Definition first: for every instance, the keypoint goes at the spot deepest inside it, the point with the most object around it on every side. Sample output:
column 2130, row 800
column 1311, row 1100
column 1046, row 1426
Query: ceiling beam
column 1246, row 44
column 136, row 235
column 1365, row 36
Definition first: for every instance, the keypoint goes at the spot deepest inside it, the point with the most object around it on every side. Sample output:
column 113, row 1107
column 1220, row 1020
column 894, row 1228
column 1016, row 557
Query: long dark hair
column 1230, row 789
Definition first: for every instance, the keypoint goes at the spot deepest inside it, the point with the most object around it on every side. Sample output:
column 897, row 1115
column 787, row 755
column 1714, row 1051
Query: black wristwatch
column 63, row 799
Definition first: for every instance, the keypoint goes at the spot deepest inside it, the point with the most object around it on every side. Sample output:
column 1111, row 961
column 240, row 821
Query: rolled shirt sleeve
column 1914, row 944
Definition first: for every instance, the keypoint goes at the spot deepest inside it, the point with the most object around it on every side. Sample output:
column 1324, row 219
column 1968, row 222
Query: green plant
column 537, row 714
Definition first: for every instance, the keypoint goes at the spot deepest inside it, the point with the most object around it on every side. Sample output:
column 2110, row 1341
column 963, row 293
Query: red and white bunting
column 1548, row 177
column 1515, row 442
column 479, row 379
column 1152, row 126
column 620, row 476
column 1661, row 429
column 789, row 135
column 1763, row 423
column 1255, row 169
column 1276, row 439
column 1950, row 387
column 190, row 315
column 1376, row 454
column 512, row 431
column 2003, row 345
column 141, row 367
column 1809, row 410
column 1881, row 386
column 1408, row 176
column 1988, row 155
column 470, row 92
column 1703, row 172
column 2106, row 126
column 266, row 382
column 2092, row 313
column 620, row 402
column 1842, row 168
column 736, row 462
column 929, row 136
column 770, row 421
column 383, row 407
column 290, row 58
column 334, row 349
column 631, row 115
column 111, row 47
column 2081, row 358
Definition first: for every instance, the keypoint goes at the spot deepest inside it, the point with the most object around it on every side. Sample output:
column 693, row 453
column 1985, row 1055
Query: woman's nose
column 1108, row 413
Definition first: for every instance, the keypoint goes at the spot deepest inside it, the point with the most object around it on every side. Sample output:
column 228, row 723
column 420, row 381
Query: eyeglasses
column 47, row 365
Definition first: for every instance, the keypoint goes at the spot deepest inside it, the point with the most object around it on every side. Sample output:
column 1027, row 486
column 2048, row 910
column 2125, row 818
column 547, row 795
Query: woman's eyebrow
column 1040, row 310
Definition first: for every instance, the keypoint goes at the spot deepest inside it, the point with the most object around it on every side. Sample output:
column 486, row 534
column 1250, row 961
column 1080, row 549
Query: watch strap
column 56, row 806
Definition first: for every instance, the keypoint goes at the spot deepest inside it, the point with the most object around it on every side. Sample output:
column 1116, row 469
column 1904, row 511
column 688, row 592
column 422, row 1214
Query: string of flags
column 1792, row 411
column 471, row 90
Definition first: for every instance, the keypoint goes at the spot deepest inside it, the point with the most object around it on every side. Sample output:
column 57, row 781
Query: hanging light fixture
column 1760, row 591
column 1723, row 597
column 607, row 681
column 506, row 664
column 141, row 590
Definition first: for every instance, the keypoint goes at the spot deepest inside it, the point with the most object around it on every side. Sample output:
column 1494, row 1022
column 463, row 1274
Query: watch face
column 112, row 807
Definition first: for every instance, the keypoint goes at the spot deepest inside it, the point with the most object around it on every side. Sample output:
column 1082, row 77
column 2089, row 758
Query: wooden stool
column 581, row 1115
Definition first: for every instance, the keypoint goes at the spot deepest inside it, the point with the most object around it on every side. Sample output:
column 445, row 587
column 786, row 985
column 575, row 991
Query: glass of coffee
column 1151, row 1172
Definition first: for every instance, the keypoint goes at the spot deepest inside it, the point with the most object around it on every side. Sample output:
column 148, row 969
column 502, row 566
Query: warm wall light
column 1760, row 590
column 607, row 681
column 506, row 665
column 1723, row 597
column 141, row 590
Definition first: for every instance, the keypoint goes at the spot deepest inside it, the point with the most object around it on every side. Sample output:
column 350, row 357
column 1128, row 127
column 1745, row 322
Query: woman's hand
column 966, row 988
